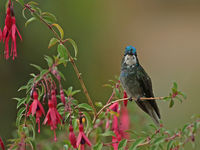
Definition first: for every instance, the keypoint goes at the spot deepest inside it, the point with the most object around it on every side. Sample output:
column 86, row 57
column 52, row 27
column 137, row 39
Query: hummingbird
column 137, row 83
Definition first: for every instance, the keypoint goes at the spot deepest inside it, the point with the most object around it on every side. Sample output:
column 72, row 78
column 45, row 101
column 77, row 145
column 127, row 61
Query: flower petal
column 79, row 139
column 86, row 139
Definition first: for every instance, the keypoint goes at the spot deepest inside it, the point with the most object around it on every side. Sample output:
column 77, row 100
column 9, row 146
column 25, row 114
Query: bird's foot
column 130, row 99
column 138, row 98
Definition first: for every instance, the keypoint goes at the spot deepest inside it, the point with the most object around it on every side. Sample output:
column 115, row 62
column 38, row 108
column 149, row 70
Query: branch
column 123, row 99
column 70, row 58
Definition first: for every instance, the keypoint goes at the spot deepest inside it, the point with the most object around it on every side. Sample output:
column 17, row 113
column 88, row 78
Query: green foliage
column 72, row 110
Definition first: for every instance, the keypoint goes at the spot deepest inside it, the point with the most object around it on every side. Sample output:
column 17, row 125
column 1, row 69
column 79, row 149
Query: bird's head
column 130, row 56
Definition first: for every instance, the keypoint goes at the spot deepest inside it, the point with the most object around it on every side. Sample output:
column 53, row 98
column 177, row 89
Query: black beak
column 130, row 53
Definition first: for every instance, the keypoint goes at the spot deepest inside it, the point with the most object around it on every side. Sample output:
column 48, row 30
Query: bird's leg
column 138, row 98
column 130, row 99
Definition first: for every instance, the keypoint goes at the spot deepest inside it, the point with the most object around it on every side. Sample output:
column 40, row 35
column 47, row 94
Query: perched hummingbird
column 137, row 83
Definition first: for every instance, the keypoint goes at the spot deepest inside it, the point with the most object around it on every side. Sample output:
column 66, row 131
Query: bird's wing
column 146, row 85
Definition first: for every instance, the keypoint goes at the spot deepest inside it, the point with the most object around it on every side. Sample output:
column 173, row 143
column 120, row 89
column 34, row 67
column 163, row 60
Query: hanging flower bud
column 125, row 96
column 53, row 97
column 9, row 32
column 124, row 122
column 36, row 108
column 62, row 96
column 72, row 137
column 2, row 144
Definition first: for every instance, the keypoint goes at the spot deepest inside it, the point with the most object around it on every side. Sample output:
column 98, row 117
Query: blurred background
column 166, row 35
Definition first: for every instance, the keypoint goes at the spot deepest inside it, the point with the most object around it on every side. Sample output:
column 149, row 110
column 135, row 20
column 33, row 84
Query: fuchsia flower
column 125, row 96
column 72, row 136
column 116, row 139
column 2, row 144
column 9, row 32
column 124, row 122
column 52, row 117
column 62, row 96
column 115, row 127
column 82, row 138
column 36, row 107
column 0, row 35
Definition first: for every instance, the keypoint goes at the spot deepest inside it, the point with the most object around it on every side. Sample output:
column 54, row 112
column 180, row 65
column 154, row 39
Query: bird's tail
column 154, row 116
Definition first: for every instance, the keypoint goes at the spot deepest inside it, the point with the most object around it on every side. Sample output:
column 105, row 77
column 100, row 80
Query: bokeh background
column 165, row 33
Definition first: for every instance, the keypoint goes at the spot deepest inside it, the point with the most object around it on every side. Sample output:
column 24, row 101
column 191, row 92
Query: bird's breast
column 130, row 84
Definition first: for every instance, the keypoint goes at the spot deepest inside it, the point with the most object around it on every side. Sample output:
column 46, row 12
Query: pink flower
column 125, row 96
column 9, row 32
column 2, row 144
column 72, row 137
column 52, row 117
column 0, row 35
column 124, row 122
column 82, row 138
column 62, row 96
column 36, row 107
column 53, row 97
column 115, row 107
column 116, row 140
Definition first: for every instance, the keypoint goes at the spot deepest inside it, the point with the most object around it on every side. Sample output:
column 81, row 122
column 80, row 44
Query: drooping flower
column 125, row 96
column 62, row 96
column 52, row 117
column 0, row 35
column 124, row 123
column 53, row 97
column 72, row 137
column 115, row 126
column 116, row 139
column 2, row 144
column 36, row 108
column 9, row 32
column 82, row 138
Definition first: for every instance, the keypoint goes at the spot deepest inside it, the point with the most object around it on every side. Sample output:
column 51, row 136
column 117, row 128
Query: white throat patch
column 130, row 60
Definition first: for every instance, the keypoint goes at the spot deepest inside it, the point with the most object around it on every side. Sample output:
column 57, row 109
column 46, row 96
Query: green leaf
column 22, row 101
column 117, row 93
column 153, row 126
column 158, row 140
column 170, row 144
column 62, row 51
column 23, row 13
column 22, row 88
column 195, row 127
column 178, row 98
column 98, row 146
column 21, row 2
column 49, row 17
column 74, row 46
column 184, row 127
column 37, row 67
column 175, row 86
column 49, row 60
column 66, row 147
column 30, row 20
column 171, row 104
column 20, row 115
column 88, row 119
column 98, row 104
column 182, row 94
column 166, row 98
column 136, row 143
column 122, row 144
column 85, row 106
column 75, row 92
column 53, row 42
column 59, row 29
column 108, row 133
